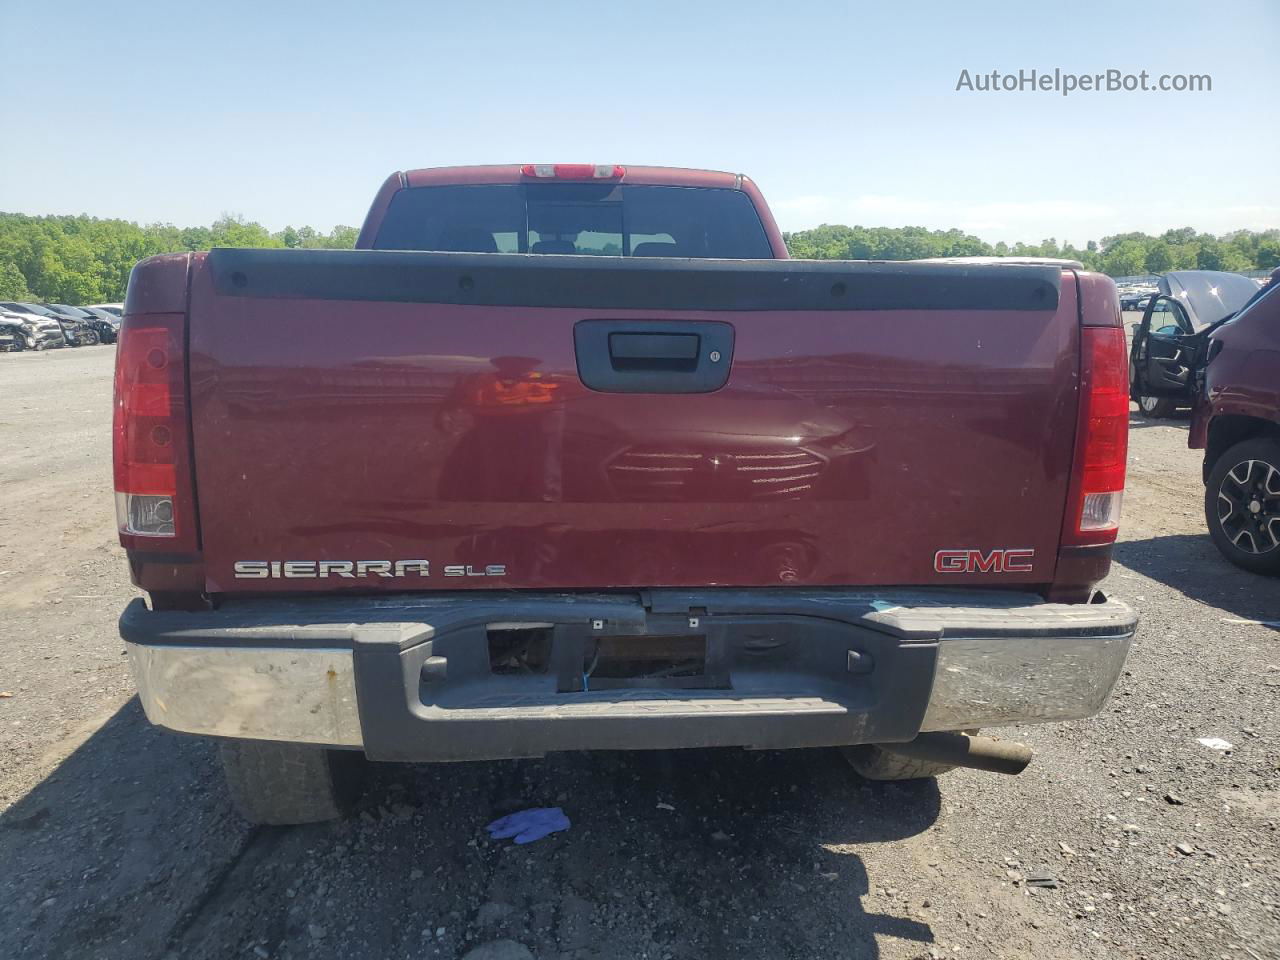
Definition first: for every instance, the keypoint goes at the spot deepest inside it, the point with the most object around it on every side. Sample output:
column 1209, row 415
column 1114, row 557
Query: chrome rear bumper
column 354, row 678
column 255, row 693
column 995, row 681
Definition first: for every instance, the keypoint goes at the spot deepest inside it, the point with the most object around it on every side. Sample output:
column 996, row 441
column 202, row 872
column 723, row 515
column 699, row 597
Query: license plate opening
column 645, row 661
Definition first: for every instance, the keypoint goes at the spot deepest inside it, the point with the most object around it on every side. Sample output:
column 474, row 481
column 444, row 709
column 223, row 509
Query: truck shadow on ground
column 130, row 849
column 1192, row 565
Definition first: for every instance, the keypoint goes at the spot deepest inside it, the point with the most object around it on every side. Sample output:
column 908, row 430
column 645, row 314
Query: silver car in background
column 44, row 332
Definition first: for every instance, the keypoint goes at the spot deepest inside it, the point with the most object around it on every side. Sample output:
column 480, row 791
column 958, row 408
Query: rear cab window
column 576, row 218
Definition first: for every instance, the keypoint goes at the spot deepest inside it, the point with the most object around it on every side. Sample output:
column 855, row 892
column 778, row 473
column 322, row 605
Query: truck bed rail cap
column 642, row 283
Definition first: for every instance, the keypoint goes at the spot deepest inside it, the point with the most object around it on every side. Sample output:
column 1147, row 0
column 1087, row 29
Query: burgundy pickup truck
column 572, row 457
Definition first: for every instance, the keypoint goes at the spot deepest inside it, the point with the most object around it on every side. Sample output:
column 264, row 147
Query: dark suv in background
column 94, row 329
column 1229, row 374
column 75, row 325
column 106, row 323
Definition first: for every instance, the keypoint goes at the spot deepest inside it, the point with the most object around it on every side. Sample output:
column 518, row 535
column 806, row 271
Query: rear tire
column 1157, row 408
column 874, row 763
column 287, row 783
column 1245, row 475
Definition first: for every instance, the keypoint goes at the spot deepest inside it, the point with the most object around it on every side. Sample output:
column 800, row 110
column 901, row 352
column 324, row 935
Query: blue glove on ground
column 529, row 825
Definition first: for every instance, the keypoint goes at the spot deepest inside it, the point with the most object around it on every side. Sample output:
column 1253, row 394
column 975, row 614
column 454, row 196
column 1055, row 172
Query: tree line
column 80, row 259
column 1121, row 255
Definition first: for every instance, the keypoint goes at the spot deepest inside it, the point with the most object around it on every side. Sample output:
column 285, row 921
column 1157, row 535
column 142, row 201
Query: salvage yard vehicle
column 115, row 309
column 97, row 328
column 78, row 326
column 106, row 323
column 605, row 470
column 1135, row 299
column 74, row 331
column 1229, row 374
column 44, row 326
column 15, row 336
column 1188, row 303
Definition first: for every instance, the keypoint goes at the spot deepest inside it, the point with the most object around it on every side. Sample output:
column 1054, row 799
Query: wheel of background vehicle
column 1157, row 408
column 1242, row 505
column 285, row 783
column 873, row 763
column 90, row 339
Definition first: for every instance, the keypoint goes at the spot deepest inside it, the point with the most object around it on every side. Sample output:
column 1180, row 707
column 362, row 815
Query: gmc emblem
column 983, row 561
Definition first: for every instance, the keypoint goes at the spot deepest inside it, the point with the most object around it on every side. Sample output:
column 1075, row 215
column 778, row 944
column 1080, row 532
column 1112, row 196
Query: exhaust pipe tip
column 966, row 750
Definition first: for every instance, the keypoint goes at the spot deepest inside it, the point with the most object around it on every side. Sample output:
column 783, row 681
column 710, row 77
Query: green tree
column 1159, row 257
column 234, row 231
column 13, row 285
column 1268, row 254
column 343, row 237
column 1125, row 258
column 1180, row 236
column 1210, row 256
column 838, row 242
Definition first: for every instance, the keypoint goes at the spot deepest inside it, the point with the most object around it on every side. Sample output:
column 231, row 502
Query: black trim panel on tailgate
column 648, row 283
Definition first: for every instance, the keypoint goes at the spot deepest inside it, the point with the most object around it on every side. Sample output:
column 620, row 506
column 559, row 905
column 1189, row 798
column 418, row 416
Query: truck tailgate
column 354, row 409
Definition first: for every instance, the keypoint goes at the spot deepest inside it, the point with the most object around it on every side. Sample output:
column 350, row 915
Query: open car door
column 1163, row 356
column 1170, row 343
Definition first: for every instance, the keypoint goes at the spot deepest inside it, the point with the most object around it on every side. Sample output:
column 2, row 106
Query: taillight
column 149, row 433
column 573, row 171
column 1102, row 439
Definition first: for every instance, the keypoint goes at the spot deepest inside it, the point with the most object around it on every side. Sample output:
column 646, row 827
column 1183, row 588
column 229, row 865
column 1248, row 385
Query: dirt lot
column 117, row 841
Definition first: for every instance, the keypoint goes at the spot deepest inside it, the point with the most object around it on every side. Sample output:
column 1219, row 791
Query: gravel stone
column 499, row 950
column 492, row 914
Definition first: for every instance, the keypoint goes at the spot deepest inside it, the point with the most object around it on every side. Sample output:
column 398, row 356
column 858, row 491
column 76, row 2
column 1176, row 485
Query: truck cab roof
column 400, row 217
column 514, row 173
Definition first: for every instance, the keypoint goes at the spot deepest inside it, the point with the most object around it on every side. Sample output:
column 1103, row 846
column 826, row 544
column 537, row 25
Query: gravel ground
column 117, row 840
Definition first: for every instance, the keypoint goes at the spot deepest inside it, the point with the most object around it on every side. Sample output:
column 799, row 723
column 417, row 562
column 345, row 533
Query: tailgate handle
column 653, row 351
column 653, row 356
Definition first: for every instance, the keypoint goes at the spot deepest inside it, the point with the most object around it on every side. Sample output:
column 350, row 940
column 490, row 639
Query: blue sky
column 292, row 113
